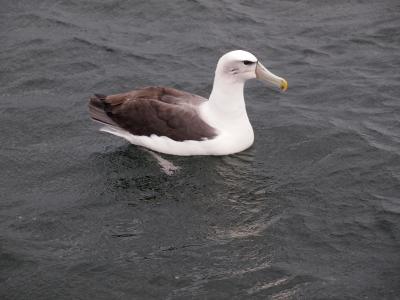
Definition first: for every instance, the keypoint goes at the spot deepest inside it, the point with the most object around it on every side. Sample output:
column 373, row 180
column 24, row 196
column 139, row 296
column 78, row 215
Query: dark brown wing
column 153, row 110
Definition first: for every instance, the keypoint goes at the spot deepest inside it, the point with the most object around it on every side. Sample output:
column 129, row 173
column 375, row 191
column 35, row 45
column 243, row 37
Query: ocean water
column 311, row 211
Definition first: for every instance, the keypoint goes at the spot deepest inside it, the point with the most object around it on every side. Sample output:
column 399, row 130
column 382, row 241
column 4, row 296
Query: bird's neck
column 227, row 97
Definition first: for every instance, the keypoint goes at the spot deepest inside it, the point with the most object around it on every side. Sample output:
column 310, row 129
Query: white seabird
column 175, row 122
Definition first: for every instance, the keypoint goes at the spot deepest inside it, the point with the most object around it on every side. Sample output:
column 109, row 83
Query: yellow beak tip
column 284, row 85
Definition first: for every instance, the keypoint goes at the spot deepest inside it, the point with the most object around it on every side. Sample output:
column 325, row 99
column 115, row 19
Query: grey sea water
column 311, row 211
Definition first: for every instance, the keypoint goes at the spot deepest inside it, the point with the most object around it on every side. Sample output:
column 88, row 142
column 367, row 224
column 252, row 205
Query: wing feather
column 155, row 110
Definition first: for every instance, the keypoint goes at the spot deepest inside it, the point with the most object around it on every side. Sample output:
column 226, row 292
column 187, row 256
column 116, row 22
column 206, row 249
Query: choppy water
column 311, row 211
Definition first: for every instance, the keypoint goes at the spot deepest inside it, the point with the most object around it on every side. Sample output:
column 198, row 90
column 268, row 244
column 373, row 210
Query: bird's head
column 239, row 65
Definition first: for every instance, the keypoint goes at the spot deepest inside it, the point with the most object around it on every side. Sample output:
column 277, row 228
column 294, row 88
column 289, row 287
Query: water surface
column 311, row 211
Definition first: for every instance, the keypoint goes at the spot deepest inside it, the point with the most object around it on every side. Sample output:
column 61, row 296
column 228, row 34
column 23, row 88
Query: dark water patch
column 36, row 84
column 35, row 20
column 75, row 67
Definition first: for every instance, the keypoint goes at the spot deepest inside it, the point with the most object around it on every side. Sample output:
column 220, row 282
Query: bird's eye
column 248, row 62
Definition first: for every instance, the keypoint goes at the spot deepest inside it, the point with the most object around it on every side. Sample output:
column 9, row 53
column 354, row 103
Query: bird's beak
column 264, row 75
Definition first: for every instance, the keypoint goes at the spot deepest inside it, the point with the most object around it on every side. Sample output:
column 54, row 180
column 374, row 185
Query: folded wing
column 150, row 111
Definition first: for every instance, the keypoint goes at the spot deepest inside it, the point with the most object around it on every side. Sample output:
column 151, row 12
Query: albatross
column 172, row 121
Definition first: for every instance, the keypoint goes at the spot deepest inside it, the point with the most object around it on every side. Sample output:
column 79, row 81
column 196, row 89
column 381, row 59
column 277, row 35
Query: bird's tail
column 97, row 109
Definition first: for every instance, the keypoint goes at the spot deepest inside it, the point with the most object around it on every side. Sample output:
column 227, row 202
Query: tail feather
column 101, row 97
column 98, row 110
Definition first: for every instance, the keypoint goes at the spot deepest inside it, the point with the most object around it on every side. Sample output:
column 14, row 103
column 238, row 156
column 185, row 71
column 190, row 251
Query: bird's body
column 170, row 121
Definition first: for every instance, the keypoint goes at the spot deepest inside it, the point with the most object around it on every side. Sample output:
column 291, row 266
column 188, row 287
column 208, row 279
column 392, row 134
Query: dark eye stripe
column 248, row 62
